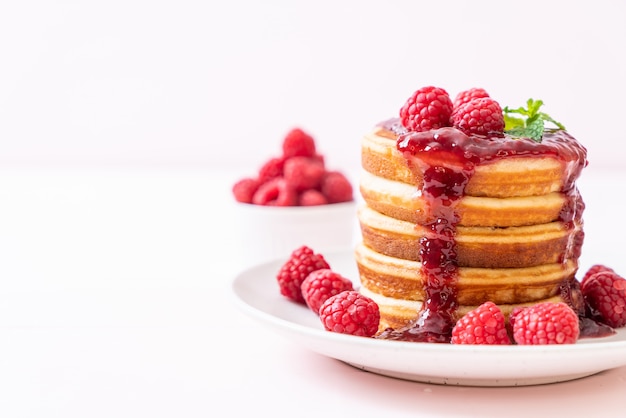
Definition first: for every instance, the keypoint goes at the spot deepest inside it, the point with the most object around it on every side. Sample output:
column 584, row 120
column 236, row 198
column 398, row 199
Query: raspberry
column 483, row 325
column 336, row 187
column 322, row 284
column 596, row 268
column 319, row 158
column 292, row 273
column 479, row 116
column 275, row 192
column 271, row 169
column 350, row 312
column 298, row 143
column 428, row 108
column 303, row 173
column 468, row 95
column 546, row 323
column 312, row 198
column 605, row 296
column 244, row 189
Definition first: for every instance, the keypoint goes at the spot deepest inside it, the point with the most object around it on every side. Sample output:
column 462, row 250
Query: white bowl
column 267, row 233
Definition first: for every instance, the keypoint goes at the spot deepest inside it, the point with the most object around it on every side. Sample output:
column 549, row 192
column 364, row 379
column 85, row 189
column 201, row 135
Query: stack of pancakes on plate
column 514, row 226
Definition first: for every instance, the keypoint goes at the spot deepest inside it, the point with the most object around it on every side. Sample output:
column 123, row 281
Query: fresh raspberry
column 514, row 313
column 546, row 323
column 271, row 169
column 468, row 95
column 322, row 284
column 292, row 273
column 244, row 189
column 350, row 312
column 428, row 108
column 303, row 173
column 320, row 159
column 480, row 116
column 483, row 325
column 596, row 268
column 312, row 198
column 275, row 192
column 605, row 296
column 298, row 143
column 336, row 187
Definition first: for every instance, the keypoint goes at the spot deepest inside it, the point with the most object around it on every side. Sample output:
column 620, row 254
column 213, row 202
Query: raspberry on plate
column 350, row 312
column 605, row 296
column 596, row 268
column 428, row 108
column 292, row 273
column 479, row 116
column 483, row 325
column 546, row 323
column 322, row 284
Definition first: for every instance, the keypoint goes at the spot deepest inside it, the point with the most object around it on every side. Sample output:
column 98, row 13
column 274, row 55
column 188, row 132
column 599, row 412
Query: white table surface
column 115, row 302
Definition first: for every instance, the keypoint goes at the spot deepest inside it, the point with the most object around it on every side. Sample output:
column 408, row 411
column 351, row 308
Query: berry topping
column 336, row 187
column 298, row 143
column 312, row 198
column 469, row 95
column 428, row 108
column 483, row 325
column 546, row 323
column 531, row 123
column 322, row 284
column 351, row 313
column 244, row 190
column 292, row 273
column 275, row 192
column 596, row 268
column 303, row 173
column 481, row 116
column 605, row 296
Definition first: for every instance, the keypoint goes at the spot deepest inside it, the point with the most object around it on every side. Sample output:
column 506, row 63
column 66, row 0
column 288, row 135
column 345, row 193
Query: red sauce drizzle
column 446, row 159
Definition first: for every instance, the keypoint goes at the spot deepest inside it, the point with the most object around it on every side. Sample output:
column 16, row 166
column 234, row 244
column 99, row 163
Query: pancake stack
column 452, row 220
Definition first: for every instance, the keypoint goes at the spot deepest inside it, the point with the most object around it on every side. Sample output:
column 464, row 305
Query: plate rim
column 311, row 338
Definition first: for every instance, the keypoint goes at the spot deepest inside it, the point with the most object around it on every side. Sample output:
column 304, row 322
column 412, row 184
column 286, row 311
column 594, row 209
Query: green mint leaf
column 519, row 132
column 535, row 129
column 511, row 122
column 531, row 124
column 519, row 110
column 548, row 118
column 533, row 107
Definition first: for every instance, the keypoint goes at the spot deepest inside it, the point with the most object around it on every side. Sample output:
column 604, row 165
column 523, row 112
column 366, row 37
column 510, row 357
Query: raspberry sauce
column 446, row 159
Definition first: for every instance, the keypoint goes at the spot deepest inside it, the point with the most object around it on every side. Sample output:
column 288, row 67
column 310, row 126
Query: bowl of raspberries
column 294, row 197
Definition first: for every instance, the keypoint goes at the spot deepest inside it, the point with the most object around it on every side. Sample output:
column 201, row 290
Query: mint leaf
column 531, row 124
column 535, row 129
column 513, row 122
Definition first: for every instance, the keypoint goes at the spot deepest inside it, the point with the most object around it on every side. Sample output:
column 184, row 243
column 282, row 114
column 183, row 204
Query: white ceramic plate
column 256, row 293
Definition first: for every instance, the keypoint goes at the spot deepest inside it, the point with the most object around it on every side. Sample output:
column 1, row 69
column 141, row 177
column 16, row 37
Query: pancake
column 518, row 176
column 401, row 279
column 399, row 200
column 487, row 247
column 450, row 221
